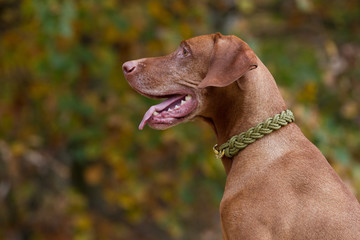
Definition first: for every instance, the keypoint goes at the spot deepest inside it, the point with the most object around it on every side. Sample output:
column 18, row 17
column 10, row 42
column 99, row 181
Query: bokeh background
column 73, row 164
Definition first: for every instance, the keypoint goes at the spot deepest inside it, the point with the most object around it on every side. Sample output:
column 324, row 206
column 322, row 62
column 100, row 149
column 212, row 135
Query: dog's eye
column 185, row 52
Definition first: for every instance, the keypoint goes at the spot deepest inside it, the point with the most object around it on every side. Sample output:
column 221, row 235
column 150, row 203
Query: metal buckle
column 218, row 154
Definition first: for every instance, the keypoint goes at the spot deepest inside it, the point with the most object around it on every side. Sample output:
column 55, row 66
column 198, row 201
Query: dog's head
column 182, row 77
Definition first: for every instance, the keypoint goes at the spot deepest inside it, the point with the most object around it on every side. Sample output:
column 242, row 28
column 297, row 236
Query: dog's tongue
column 158, row 107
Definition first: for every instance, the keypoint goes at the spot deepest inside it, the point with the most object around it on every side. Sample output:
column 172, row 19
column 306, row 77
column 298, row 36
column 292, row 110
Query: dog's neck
column 243, row 104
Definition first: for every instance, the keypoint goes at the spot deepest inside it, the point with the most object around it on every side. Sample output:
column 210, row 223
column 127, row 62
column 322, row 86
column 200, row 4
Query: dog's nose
column 129, row 67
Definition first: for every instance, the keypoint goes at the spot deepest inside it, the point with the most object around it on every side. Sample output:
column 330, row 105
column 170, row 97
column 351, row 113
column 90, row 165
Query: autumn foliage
column 73, row 164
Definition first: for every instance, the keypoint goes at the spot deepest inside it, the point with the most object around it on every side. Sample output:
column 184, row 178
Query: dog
column 279, row 186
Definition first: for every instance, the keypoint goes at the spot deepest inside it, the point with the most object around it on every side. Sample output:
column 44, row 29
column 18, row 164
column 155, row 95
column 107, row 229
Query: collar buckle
column 219, row 154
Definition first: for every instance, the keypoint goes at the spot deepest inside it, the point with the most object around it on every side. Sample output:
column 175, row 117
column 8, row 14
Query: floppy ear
column 231, row 59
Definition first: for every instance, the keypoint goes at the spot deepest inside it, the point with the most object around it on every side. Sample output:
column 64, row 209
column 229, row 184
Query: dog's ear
column 230, row 60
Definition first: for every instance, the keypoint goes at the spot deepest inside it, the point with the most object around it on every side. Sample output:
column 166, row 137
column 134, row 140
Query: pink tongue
column 158, row 107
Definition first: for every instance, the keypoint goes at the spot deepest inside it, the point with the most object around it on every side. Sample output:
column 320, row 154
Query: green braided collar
column 239, row 142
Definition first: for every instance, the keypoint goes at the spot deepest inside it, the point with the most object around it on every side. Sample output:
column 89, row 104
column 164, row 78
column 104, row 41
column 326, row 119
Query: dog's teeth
column 176, row 107
column 155, row 113
column 169, row 109
column 182, row 102
column 188, row 97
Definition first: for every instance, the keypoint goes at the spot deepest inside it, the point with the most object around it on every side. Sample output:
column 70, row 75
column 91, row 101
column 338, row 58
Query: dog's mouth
column 173, row 110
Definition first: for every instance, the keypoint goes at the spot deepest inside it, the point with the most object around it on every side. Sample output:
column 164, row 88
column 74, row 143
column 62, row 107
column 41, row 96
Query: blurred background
column 73, row 164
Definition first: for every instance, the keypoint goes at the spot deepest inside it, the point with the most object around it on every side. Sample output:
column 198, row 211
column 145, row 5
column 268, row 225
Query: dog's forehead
column 201, row 40
column 201, row 43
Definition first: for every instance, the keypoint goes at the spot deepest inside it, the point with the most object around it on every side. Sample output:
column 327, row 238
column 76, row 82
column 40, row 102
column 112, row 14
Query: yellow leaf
column 94, row 174
column 18, row 149
column 82, row 222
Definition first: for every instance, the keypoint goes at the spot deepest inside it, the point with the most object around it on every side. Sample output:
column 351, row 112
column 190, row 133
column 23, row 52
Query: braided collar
column 241, row 141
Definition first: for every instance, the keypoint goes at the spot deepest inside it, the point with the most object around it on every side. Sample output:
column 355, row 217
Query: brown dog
column 280, row 186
